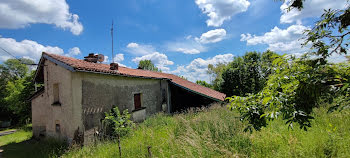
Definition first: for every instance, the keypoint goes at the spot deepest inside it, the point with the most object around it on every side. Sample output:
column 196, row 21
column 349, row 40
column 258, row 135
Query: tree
column 247, row 74
column 298, row 85
column 203, row 83
column 292, row 91
column 19, row 92
column 13, row 68
column 330, row 34
column 147, row 65
column 215, row 72
column 323, row 37
column 15, row 88
column 120, row 123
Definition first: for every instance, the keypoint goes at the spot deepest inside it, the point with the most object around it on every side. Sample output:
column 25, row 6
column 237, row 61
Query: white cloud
column 337, row 58
column 139, row 49
column 160, row 60
column 25, row 48
column 197, row 69
column 196, row 45
column 188, row 45
column 132, row 45
column 280, row 40
column 106, row 61
column 212, row 36
column 21, row 13
column 119, row 58
column 74, row 51
column 312, row 8
column 220, row 10
column 188, row 51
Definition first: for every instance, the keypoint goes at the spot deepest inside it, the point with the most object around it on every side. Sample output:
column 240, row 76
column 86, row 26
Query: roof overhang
column 209, row 97
column 44, row 57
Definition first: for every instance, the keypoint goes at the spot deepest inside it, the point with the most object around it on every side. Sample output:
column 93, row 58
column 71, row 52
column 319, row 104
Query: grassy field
column 20, row 144
column 22, row 134
column 217, row 132
column 18, row 136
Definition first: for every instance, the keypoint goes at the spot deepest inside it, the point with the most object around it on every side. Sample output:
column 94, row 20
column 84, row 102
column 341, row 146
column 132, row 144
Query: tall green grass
column 218, row 132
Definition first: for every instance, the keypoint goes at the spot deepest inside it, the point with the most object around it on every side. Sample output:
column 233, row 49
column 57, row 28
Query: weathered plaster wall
column 85, row 97
column 67, row 114
column 101, row 92
column 39, row 114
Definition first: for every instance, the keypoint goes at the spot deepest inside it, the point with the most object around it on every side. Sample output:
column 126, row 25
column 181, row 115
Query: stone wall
column 100, row 93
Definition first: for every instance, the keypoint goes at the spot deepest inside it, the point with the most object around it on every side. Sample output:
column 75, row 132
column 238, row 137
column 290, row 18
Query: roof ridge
column 85, row 66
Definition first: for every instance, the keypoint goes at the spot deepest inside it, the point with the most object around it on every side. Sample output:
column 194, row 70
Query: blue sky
column 180, row 36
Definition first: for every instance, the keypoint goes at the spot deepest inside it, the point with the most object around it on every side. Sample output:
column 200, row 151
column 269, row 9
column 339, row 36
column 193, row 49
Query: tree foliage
column 292, row 91
column 215, row 72
column 298, row 85
column 19, row 92
column 330, row 34
column 147, row 65
column 247, row 74
column 119, row 123
column 15, row 89
column 203, row 83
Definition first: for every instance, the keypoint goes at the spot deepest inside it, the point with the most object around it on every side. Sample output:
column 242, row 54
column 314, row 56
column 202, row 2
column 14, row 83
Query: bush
column 118, row 124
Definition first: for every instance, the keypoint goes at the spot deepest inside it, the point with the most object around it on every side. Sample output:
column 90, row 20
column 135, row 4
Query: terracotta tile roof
column 81, row 65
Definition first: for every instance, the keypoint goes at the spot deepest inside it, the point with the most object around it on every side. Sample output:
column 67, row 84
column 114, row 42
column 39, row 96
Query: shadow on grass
column 34, row 148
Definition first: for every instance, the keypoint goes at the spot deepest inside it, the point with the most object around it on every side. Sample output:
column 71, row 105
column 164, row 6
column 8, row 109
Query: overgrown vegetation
column 218, row 132
column 247, row 74
column 203, row 83
column 117, row 125
column 297, row 86
column 16, row 87
column 147, row 65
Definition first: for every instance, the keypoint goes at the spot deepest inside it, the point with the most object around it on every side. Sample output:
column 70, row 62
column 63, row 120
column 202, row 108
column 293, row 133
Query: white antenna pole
column 112, row 43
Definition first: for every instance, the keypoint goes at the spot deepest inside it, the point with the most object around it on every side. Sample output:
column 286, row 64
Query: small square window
column 137, row 101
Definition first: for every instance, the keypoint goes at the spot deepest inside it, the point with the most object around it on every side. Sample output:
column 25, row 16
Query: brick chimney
column 113, row 66
column 91, row 58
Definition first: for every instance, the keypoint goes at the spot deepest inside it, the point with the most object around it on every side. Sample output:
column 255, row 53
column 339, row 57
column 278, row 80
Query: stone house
column 76, row 94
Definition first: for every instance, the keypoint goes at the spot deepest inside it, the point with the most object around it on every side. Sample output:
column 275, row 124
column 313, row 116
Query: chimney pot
column 113, row 66
column 91, row 58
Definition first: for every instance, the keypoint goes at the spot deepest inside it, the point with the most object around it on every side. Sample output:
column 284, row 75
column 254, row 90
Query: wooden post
column 149, row 151
column 120, row 149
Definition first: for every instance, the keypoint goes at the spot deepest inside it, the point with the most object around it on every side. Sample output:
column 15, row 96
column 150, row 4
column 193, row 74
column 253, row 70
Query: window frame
column 138, row 108
column 56, row 94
